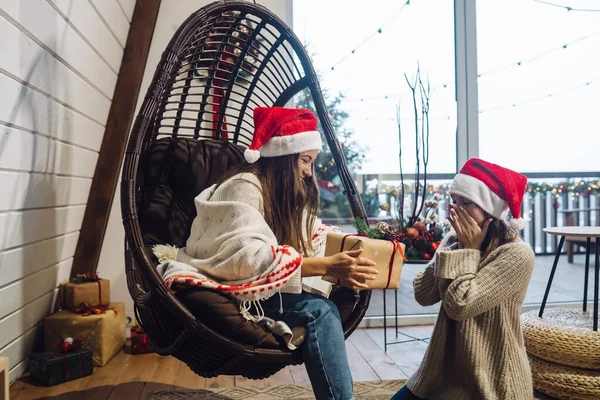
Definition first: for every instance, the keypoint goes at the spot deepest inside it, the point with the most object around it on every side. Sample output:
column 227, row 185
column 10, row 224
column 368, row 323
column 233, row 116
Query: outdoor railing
column 548, row 201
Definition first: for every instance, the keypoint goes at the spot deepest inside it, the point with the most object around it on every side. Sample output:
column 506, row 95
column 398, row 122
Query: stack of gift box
column 88, row 330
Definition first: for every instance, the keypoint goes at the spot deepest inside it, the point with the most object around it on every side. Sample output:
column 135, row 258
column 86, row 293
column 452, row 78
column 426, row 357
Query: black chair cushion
column 178, row 170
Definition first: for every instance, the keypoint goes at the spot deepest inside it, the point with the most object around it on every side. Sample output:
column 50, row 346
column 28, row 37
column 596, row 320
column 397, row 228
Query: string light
column 539, row 56
column 543, row 97
column 438, row 117
column 492, row 71
column 566, row 7
column 377, row 32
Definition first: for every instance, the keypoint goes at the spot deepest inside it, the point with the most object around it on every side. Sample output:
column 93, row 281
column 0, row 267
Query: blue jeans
column 324, row 350
column 405, row 394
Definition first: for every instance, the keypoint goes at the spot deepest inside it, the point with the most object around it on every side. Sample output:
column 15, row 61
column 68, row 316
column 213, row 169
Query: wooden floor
column 135, row 376
column 566, row 287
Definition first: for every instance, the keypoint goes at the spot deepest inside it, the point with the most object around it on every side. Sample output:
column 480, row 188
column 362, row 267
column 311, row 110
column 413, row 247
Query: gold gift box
column 104, row 334
column 93, row 293
column 388, row 257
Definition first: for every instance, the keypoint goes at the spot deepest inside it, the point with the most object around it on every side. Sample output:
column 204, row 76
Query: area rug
column 374, row 390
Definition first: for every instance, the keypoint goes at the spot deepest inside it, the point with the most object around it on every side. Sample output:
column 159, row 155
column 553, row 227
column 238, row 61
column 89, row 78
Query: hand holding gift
column 350, row 269
column 363, row 263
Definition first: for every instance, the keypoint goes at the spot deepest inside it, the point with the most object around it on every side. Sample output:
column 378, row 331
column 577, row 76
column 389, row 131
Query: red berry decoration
column 434, row 246
column 426, row 256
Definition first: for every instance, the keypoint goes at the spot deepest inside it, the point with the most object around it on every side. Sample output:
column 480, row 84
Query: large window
column 539, row 85
column 528, row 99
column 369, row 67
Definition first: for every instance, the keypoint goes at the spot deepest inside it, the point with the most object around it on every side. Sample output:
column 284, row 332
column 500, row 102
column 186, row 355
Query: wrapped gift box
column 54, row 367
column 139, row 341
column 104, row 333
column 389, row 257
column 93, row 293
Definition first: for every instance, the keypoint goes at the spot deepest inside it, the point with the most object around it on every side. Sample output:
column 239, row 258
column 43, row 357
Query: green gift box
column 54, row 367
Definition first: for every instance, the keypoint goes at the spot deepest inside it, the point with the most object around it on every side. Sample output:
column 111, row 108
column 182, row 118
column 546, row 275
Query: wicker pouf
column 563, row 336
column 563, row 382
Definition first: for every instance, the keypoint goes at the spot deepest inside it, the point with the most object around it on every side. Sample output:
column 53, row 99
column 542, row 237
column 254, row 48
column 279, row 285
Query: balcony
column 552, row 199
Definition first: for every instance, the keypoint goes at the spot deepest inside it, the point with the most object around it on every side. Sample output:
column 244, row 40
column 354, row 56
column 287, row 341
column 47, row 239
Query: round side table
column 589, row 233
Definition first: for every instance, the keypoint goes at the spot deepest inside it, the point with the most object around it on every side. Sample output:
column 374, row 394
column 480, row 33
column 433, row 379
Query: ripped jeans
column 324, row 350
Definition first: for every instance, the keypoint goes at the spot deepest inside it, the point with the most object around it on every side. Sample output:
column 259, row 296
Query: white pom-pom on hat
column 251, row 156
column 517, row 223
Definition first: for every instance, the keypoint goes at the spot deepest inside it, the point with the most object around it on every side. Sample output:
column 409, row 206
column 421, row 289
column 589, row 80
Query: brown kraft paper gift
column 388, row 257
column 104, row 334
column 93, row 293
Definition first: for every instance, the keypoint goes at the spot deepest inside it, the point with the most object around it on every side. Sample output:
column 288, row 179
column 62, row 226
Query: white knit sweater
column 476, row 350
column 232, row 249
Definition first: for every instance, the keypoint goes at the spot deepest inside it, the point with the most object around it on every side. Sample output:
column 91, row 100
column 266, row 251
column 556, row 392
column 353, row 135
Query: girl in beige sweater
column 480, row 274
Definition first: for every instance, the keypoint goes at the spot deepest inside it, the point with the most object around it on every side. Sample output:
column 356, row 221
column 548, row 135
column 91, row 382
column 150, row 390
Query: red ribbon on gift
column 397, row 247
column 85, row 309
column 136, row 329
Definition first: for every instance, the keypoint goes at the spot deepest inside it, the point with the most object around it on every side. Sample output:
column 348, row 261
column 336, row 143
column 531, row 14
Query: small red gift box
column 139, row 341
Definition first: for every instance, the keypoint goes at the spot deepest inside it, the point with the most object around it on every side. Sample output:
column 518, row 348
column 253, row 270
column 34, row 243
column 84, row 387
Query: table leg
column 558, row 250
column 396, row 309
column 384, row 324
column 596, row 278
column 588, row 246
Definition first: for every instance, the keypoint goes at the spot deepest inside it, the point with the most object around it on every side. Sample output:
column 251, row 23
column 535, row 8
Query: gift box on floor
column 139, row 341
column 388, row 255
column 54, row 367
column 103, row 333
column 86, row 288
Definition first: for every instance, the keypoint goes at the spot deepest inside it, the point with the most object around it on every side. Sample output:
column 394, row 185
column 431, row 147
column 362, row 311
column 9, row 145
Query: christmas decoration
column 232, row 34
column 70, row 361
column 416, row 226
column 84, row 288
column 388, row 257
column 103, row 334
column 86, row 309
column 139, row 340
column 280, row 131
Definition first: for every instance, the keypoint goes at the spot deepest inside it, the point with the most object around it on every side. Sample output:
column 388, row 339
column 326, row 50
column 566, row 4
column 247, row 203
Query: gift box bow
column 136, row 330
column 85, row 278
column 85, row 309
column 69, row 344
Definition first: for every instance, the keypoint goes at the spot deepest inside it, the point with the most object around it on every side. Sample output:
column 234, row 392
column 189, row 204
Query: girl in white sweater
column 480, row 273
column 256, row 237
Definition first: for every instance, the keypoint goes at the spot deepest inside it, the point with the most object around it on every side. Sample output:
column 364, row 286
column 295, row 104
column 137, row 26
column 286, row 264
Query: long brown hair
column 498, row 233
column 285, row 198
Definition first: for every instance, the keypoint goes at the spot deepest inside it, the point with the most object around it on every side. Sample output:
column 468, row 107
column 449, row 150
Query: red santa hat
column 282, row 131
column 493, row 188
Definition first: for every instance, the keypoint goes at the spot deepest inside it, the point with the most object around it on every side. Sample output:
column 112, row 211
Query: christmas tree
column 334, row 202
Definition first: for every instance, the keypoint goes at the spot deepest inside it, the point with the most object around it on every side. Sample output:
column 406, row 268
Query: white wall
column 171, row 14
column 59, row 61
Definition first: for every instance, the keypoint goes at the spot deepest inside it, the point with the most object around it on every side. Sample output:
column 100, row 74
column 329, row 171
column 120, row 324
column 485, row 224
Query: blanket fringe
column 165, row 252
column 245, row 307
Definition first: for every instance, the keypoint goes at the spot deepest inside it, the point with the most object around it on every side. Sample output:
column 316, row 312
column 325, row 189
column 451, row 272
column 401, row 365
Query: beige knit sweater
column 476, row 350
